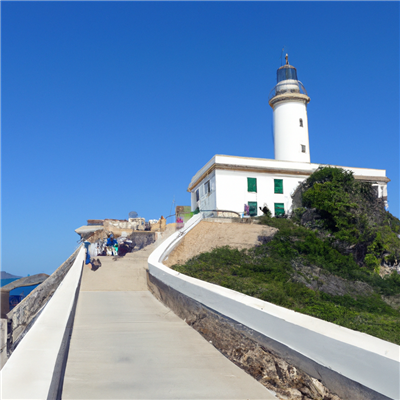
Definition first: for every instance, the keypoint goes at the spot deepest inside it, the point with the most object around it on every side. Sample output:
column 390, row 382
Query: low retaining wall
column 21, row 317
column 142, row 238
column 350, row 364
column 229, row 220
column 36, row 367
column 261, row 358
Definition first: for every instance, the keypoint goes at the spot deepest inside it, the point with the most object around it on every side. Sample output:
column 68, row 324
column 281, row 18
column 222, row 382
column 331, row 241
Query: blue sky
column 111, row 107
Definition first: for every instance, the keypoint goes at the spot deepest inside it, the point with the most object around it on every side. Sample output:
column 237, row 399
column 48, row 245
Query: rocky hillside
column 335, row 258
column 350, row 214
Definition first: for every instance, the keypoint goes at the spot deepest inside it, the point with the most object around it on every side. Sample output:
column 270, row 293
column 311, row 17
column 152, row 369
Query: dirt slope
column 209, row 235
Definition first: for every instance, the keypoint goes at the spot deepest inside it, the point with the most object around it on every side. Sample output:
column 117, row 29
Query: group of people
column 112, row 246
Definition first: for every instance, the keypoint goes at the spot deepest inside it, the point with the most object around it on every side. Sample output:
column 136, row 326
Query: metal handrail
column 230, row 211
column 273, row 93
column 227, row 211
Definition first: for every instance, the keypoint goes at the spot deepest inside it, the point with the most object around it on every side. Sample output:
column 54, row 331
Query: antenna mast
column 172, row 206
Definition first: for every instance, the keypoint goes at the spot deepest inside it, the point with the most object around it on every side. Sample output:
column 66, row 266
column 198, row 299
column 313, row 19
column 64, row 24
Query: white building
column 228, row 183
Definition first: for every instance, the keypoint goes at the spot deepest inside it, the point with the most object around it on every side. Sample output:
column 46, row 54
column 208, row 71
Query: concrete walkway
column 127, row 345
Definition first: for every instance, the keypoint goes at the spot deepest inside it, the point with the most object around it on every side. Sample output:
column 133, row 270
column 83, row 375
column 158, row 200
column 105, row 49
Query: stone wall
column 3, row 342
column 273, row 364
column 159, row 226
column 134, row 224
column 5, row 303
column 231, row 219
column 36, row 368
column 142, row 239
column 21, row 318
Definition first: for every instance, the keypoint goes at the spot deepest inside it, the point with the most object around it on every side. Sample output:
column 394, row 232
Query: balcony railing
column 300, row 89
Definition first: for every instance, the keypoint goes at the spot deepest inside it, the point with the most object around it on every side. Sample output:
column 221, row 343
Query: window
column 279, row 209
column 301, row 122
column 303, row 148
column 207, row 188
column 252, row 185
column 278, row 183
column 253, row 208
column 197, row 195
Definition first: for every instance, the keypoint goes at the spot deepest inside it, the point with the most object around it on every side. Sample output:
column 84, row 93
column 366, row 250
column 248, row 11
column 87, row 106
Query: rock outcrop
column 319, row 279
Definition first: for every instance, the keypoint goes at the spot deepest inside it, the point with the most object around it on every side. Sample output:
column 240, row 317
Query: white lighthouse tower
column 289, row 101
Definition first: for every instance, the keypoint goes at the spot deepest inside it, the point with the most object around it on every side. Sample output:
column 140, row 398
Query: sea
column 18, row 294
column 5, row 282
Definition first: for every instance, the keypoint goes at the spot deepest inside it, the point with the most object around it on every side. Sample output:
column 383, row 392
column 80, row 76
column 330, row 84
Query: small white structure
column 231, row 183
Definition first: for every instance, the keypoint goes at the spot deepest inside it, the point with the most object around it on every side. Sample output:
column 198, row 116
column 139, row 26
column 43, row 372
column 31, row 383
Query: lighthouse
column 289, row 100
column 228, row 186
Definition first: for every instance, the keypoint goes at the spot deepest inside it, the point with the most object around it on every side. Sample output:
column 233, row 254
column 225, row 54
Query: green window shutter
column 279, row 209
column 278, row 185
column 252, row 185
column 253, row 208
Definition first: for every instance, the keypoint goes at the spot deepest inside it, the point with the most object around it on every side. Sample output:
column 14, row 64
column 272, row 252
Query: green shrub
column 371, row 262
column 298, row 213
column 352, row 213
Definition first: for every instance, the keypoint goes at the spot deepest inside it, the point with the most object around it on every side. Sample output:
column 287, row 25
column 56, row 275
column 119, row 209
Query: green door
column 279, row 209
column 253, row 208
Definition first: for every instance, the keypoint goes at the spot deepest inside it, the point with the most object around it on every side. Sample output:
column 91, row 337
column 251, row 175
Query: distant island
column 6, row 275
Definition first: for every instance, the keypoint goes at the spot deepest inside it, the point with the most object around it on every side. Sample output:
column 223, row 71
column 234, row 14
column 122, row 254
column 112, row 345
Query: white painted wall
column 288, row 135
column 193, row 202
column 29, row 371
column 202, row 170
column 207, row 201
column 365, row 359
column 262, row 162
column 230, row 192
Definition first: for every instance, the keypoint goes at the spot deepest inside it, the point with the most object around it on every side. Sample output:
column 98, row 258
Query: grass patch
column 264, row 272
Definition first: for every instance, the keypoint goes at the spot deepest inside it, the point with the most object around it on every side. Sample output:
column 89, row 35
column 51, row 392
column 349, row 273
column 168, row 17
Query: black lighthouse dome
column 286, row 72
column 287, row 82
